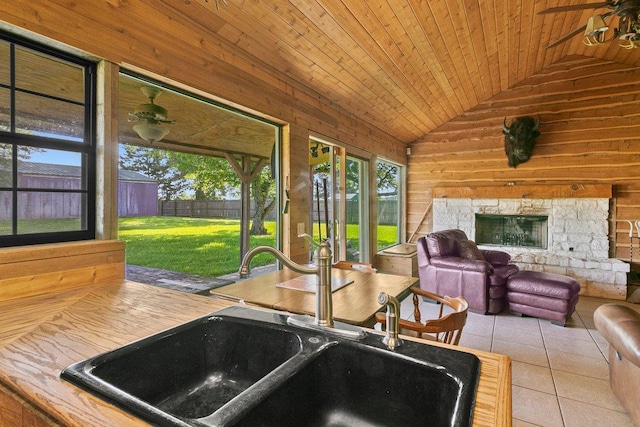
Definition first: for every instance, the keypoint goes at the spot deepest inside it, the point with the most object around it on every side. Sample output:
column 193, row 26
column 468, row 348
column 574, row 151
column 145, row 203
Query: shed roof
column 52, row 169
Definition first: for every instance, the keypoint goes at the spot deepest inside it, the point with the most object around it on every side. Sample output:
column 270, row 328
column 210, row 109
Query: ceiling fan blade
column 568, row 36
column 577, row 7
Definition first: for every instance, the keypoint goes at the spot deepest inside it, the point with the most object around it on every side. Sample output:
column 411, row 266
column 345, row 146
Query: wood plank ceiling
column 405, row 66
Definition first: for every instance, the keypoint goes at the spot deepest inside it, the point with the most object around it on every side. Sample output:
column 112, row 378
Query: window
column 192, row 180
column 389, row 204
column 47, row 145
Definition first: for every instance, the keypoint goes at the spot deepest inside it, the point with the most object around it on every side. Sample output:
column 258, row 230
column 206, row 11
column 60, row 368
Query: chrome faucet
column 391, row 339
column 324, row 303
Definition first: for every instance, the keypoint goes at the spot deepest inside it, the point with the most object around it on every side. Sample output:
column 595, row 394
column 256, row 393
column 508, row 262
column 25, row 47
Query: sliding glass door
column 340, row 211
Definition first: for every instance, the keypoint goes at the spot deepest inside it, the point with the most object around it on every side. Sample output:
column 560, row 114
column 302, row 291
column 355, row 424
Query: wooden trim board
column 556, row 191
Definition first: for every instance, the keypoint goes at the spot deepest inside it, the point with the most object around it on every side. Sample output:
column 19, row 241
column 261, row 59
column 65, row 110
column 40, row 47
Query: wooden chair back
column 447, row 328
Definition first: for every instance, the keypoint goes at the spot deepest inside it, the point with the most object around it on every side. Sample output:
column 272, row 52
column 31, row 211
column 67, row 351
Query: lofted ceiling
column 405, row 66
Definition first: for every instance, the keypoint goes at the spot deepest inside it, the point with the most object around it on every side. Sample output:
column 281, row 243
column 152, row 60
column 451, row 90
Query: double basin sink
column 245, row 367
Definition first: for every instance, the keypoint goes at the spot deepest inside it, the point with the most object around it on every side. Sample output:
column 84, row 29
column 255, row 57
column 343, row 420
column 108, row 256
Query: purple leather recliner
column 481, row 281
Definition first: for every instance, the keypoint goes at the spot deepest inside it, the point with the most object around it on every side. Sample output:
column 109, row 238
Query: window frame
column 399, row 202
column 85, row 148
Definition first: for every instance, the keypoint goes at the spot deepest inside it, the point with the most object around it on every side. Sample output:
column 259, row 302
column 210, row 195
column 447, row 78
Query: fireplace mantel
column 541, row 191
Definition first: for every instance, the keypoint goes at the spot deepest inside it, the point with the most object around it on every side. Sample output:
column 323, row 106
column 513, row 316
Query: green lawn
column 26, row 226
column 208, row 247
column 204, row 246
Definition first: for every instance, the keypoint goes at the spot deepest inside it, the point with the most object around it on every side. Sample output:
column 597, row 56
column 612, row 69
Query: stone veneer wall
column 578, row 242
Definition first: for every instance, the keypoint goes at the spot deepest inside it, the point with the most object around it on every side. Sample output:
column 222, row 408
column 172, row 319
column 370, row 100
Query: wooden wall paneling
column 590, row 135
column 300, row 191
column 33, row 270
column 28, row 285
column 548, row 191
column 16, row 412
column 58, row 250
column 107, row 151
column 627, row 209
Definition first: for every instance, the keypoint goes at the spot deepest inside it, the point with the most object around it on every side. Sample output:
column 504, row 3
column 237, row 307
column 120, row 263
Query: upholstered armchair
column 450, row 264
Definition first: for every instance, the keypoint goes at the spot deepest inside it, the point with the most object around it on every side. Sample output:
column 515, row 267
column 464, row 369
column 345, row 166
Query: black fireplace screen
column 512, row 230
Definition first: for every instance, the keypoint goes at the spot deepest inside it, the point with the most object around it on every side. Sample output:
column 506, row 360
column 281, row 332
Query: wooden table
column 356, row 303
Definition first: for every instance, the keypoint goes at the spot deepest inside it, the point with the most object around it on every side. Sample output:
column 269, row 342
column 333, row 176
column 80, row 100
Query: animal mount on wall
column 520, row 138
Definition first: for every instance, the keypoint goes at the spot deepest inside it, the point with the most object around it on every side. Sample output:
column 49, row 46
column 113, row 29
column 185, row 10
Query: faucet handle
column 309, row 239
column 391, row 339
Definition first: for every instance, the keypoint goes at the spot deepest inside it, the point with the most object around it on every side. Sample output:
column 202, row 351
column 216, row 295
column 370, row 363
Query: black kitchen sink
column 352, row 385
column 244, row 367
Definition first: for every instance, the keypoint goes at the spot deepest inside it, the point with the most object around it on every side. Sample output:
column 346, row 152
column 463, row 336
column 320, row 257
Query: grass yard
column 26, row 226
column 203, row 246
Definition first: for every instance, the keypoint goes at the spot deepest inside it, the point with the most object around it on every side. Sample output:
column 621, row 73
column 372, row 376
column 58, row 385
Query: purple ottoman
column 544, row 295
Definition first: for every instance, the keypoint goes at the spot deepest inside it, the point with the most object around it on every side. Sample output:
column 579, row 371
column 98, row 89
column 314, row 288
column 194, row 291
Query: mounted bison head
column 520, row 138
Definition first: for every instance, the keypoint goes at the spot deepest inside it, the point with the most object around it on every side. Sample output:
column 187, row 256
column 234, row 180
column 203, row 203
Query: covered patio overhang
column 203, row 127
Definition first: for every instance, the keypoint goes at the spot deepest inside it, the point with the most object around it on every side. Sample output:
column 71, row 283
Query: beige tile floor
column 560, row 374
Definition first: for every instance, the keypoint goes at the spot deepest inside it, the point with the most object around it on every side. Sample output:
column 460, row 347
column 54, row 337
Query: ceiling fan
column 151, row 115
column 595, row 31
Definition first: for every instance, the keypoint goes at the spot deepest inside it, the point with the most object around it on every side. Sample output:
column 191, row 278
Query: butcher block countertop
column 41, row 335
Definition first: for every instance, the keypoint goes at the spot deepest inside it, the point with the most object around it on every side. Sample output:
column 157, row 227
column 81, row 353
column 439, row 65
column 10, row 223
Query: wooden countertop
column 41, row 335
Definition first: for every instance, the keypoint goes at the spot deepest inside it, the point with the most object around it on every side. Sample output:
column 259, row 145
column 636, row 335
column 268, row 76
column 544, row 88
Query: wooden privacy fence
column 205, row 209
column 387, row 210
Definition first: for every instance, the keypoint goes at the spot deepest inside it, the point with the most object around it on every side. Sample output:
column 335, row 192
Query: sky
column 58, row 157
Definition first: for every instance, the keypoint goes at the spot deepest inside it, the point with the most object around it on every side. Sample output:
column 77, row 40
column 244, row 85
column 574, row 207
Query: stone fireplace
column 528, row 231
column 571, row 236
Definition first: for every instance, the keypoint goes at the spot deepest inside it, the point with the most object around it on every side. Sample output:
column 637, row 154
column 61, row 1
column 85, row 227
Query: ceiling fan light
column 596, row 26
column 594, row 35
column 629, row 31
column 151, row 132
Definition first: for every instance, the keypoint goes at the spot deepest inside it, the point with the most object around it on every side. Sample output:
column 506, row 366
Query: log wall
column 27, row 271
column 590, row 134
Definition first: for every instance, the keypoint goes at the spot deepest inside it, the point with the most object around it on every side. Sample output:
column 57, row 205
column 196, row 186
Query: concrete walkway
column 191, row 283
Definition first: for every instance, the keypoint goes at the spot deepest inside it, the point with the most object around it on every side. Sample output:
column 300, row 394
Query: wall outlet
column 300, row 228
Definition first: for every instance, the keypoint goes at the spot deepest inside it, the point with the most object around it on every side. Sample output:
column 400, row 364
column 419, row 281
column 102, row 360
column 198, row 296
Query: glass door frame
column 337, row 189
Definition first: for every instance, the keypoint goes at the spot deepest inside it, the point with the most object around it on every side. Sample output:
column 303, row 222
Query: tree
column 387, row 179
column 214, row 178
column 263, row 193
column 6, row 159
column 156, row 164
